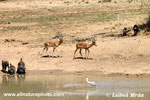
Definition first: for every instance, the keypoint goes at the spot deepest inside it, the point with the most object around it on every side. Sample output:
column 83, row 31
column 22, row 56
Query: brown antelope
column 52, row 44
column 85, row 46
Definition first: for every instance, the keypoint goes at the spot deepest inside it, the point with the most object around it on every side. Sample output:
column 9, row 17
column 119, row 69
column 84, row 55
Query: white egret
column 90, row 82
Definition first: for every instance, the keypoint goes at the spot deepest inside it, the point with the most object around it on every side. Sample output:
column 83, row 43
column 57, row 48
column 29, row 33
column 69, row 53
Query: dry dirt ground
column 26, row 24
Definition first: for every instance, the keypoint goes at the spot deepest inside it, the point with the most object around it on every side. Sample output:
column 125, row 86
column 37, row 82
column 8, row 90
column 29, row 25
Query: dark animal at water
column 21, row 67
column 5, row 64
column 11, row 69
column 136, row 30
column 125, row 31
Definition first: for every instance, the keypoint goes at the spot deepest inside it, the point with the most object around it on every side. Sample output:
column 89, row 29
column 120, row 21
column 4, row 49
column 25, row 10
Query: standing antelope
column 52, row 44
column 84, row 46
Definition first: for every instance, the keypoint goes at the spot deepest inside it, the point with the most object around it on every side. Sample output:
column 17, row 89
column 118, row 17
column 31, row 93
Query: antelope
column 52, row 44
column 85, row 46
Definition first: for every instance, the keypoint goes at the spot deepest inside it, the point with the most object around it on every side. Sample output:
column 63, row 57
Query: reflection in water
column 4, row 79
column 8, row 79
column 11, row 79
column 87, row 96
column 21, row 79
column 73, row 85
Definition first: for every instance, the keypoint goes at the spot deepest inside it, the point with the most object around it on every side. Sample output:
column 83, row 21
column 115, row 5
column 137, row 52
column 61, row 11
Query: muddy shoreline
column 88, row 73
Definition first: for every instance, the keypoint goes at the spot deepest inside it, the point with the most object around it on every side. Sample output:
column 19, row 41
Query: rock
column 25, row 43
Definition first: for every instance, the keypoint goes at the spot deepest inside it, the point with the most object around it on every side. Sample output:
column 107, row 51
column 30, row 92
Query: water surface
column 73, row 87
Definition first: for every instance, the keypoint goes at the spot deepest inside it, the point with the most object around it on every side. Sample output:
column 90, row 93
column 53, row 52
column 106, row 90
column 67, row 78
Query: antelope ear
column 59, row 35
column 93, row 39
column 61, row 38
